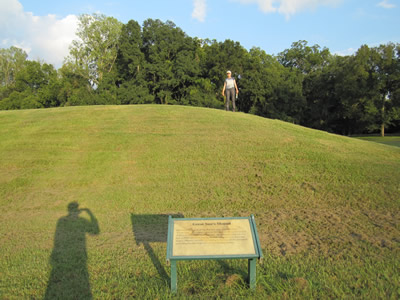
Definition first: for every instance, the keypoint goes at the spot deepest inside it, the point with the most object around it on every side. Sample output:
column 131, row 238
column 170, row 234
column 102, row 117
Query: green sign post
column 213, row 238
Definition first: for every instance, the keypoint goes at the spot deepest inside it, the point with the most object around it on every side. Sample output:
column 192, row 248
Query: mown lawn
column 391, row 140
column 85, row 193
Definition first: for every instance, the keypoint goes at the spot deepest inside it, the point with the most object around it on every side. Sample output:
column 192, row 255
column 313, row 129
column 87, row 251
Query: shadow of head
column 151, row 228
column 73, row 207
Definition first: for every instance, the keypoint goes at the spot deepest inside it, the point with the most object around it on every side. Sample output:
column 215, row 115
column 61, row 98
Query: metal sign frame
column 172, row 260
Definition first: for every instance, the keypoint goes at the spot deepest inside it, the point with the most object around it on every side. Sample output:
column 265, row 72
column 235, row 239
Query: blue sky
column 45, row 28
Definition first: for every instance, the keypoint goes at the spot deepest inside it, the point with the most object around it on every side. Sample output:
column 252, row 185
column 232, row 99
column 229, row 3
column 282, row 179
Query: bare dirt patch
column 233, row 279
column 327, row 231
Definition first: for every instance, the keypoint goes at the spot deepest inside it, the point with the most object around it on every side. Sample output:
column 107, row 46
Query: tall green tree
column 365, row 86
column 271, row 90
column 11, row 62
column 307, row 64
column 395, row 96
column 95, row 52
column 130, row 58
column 130, row 65
column 353, row 93
column 259, row 80
column 164, row 46
column 36, row 86
column 304, row 58
column 320, row 90
column 387, row 75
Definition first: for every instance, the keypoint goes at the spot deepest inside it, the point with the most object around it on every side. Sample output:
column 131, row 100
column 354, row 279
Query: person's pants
column 230, row 94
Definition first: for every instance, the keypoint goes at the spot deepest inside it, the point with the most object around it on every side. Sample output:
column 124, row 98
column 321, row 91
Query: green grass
column 327, row 207
column 393, row 140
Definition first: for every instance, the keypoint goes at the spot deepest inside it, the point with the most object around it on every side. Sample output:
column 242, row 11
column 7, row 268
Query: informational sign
column 213, row 238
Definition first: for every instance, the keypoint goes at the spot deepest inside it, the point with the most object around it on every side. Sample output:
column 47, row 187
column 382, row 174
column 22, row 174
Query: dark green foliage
column 159, row 63
column 347, row 95
column 75, row 89
column 35, row 86
column 107, row 90
column 132, row 92
column 130, row 59
column 271, row 90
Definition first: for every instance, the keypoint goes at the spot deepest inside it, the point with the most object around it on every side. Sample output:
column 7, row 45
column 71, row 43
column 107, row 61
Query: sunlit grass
column 326, row 206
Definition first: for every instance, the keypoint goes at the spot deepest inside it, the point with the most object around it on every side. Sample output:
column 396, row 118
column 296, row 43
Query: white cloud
column 346, row 52
column 289, row 7
column 199, row 10
column 386, row 4
column 42, row 37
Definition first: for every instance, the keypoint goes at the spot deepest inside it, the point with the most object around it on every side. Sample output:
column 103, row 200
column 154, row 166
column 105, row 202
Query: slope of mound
column 317, row 198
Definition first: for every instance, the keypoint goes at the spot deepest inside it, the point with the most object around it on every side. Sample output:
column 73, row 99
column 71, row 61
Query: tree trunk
column 383, row 118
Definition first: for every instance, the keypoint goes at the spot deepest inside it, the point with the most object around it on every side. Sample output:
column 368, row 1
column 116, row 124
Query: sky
column 46, row 28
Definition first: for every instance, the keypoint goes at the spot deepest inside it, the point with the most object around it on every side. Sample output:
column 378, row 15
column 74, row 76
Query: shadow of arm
column 93, row 225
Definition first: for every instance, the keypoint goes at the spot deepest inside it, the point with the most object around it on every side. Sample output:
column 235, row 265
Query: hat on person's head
column 228, row 72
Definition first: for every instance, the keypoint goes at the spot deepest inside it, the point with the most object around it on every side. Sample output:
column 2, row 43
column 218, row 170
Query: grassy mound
column 85, row 193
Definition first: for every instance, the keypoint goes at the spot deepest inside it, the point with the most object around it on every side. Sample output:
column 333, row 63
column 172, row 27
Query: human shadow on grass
column 149, row 229
column 69, row 278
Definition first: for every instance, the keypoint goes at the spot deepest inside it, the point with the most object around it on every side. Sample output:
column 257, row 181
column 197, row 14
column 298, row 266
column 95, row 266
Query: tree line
column 115, row 63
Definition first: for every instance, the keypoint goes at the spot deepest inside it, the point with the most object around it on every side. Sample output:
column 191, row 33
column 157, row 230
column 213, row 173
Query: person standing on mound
column 230, row 87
